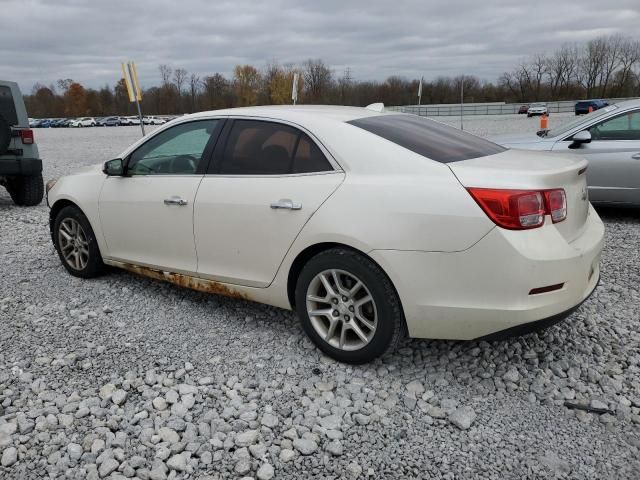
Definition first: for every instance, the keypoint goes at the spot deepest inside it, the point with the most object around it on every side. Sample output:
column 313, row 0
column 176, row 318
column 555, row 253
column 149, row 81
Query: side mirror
column 580, row 138
column 113, row 168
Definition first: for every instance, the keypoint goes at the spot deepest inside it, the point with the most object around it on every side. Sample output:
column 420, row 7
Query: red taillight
column 521, row 209
column 556, row 204
column 511, row 209
column 26, row 135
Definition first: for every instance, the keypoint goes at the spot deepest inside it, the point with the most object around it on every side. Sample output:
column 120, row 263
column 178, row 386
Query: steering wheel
column 184, row 164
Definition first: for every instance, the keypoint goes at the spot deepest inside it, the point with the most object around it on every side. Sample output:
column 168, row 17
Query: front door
column 147, row 215
column 614, row 159
column 266, row 182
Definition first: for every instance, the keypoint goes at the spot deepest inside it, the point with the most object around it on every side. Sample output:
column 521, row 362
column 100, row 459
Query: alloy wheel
column 341, row 309
column 73, row 243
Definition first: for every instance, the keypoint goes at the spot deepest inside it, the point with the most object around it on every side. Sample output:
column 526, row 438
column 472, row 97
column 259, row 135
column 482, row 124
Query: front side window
column 178, row 150
column 267, row 148
column 622, row 127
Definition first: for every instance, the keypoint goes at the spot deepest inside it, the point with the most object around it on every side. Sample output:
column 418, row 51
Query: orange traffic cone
column 544, row 122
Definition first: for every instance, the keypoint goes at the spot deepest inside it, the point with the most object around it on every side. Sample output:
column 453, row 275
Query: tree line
column 605, row 67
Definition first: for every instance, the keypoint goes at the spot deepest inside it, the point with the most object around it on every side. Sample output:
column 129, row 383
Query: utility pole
column 461, row 102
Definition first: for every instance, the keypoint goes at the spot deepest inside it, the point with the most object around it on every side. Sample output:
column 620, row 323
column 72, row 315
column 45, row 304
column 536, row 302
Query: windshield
column 562, row 129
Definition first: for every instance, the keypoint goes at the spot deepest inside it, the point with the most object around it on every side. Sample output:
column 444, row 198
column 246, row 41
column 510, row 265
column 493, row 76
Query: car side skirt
column 190, row 281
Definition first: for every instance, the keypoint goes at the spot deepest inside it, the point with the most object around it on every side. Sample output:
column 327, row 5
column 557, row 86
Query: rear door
column 614, row 158
column 266, row 181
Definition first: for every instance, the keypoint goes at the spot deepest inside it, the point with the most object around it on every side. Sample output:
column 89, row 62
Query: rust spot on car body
column 186, row 281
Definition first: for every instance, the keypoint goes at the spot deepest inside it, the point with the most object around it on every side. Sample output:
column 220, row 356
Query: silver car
column 609, row 138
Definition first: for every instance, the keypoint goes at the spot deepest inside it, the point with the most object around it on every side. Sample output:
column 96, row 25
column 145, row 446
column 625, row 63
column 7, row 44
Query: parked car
column 537, row 109
column 59, row 123
column 43, row 123
column 368, row 224
column 32, row 122
column 83, row 122
column 129, row 121
column 111, row 122
column 523, row 109
column 20, row 163
column 609, row 138
column 582, row 107
column 151, row 120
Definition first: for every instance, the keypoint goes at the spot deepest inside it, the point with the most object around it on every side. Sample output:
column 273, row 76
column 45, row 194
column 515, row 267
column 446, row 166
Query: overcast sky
column 43, row 40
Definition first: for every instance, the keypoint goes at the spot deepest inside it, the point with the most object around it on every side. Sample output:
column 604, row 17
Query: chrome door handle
column 636, row 156
column 175, row 201
column 286, row 204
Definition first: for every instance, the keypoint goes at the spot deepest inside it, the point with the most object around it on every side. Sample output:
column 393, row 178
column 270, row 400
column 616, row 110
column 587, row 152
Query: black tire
column 391, row 324
column 26, row 191
column 94, row 266
column 5, row 135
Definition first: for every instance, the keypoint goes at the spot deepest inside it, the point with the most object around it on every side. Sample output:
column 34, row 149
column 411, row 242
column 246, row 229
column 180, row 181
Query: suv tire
column 26, row 191
column 353, row 298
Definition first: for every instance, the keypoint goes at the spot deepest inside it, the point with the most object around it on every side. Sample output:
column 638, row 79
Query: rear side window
column 267, row 148
column 428, row 138
column 7, row 107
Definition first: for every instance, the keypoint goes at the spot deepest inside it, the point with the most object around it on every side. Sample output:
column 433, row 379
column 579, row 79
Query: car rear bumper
column 20, row 166
column 487, row 288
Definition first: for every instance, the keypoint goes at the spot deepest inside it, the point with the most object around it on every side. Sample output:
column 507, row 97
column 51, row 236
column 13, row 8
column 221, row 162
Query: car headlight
column 51, row 183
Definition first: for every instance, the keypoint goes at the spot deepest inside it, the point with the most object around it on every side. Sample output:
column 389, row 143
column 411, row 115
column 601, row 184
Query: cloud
column 43, row 40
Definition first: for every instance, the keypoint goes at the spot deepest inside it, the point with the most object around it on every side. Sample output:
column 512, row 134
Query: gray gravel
column 125, row 377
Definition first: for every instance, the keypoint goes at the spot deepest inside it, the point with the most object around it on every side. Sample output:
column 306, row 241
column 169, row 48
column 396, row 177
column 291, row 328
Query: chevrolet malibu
column 370, row 225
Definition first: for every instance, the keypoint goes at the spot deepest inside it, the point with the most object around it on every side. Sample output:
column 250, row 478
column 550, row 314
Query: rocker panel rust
column 186, row 281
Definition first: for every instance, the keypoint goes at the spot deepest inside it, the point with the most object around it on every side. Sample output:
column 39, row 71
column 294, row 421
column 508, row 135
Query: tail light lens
column 556, row 204
column 521, row 209
column 26, row 135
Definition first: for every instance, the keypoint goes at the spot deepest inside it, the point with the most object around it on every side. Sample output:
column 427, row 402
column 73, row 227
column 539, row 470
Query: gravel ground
column 123, row 376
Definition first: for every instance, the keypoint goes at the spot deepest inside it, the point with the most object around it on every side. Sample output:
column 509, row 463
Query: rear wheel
column 348, row 306
column 76, row 243
column 26, row 191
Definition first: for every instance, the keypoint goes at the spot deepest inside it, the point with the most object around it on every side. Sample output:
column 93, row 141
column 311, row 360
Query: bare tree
column 629, row 58
column 611, row 61
column 165, row 74
column 194, row 87
column 317, row 80
column 179, row 77
column 591, row 64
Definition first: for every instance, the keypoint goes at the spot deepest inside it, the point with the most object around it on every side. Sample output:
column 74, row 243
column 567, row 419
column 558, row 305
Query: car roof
column 296, row 113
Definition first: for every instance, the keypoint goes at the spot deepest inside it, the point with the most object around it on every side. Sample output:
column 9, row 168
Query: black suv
column 20, row 165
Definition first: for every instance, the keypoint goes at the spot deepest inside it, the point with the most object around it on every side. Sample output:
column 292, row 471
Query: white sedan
column 370, row 225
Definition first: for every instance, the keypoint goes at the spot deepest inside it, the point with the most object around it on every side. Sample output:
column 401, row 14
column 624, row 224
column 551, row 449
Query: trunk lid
column 524, row 170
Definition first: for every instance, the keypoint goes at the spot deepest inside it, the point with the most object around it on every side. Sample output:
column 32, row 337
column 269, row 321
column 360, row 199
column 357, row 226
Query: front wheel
column 76, row 243
column 348, row 306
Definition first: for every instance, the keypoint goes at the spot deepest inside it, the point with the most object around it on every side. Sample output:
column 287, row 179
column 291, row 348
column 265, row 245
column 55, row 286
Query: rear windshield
column 428, row 138
column 7, row 107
